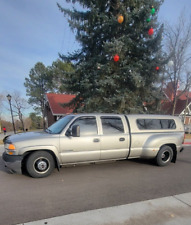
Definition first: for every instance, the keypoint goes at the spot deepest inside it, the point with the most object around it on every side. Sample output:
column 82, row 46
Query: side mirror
column 76, row 131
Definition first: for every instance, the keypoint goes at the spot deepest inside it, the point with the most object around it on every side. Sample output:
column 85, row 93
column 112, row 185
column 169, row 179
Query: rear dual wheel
column 40, row 164
column 164, row 156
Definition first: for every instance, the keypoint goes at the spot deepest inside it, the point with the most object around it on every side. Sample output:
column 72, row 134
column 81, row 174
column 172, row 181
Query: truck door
column 84, row 148
column 114, row 138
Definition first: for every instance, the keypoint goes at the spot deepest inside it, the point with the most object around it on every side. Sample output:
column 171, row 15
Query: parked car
column 86, row 138
column 187, row 129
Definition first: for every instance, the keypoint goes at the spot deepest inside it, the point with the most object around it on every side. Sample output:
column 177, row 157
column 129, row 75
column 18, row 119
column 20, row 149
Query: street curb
column 174, row 210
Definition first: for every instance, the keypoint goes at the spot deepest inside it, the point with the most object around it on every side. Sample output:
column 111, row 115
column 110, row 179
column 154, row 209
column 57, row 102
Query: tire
column 40, row 164
column 164, row 156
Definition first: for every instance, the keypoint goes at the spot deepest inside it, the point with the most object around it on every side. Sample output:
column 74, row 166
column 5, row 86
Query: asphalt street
column 89, row 187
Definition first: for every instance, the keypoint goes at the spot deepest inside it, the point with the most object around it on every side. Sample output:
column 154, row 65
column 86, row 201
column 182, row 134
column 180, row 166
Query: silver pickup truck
column 85, row 138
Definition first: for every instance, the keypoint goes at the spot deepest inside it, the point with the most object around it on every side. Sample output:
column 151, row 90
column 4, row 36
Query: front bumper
column 13, row 162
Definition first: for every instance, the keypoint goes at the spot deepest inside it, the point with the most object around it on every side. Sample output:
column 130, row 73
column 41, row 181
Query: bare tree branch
column 178, row 43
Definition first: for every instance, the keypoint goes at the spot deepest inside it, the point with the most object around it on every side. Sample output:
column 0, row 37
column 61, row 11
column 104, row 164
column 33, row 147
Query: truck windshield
column 58, row 126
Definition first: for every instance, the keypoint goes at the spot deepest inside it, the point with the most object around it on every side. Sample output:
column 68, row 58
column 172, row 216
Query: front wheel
column 40, row 164
column 164, row 156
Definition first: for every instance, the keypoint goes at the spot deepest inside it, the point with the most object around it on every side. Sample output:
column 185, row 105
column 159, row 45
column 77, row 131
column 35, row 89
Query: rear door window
column 112, row 125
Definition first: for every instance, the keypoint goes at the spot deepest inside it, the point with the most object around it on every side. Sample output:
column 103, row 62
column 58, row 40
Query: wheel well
column 173, row 147
column 26, row 155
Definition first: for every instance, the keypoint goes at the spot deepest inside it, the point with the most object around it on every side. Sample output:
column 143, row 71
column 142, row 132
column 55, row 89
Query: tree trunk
column 21, row 119
column 174, row 105
column 186, row 106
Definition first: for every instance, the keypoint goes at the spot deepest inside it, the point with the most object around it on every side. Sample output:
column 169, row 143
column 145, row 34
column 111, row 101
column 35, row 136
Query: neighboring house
column 54, row 109
column 183, row 105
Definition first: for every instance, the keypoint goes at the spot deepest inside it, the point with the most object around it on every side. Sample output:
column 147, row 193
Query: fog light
column 10, row 153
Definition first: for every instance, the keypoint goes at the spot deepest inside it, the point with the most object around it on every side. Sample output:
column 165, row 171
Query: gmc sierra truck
column 86, row 138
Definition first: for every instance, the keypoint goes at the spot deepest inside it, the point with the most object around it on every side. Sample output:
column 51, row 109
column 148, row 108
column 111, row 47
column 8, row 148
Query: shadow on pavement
column 150, row 162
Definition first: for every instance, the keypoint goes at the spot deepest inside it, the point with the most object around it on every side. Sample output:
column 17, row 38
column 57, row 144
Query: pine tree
column 100, row 83
column 57, row 74
column 37, row 85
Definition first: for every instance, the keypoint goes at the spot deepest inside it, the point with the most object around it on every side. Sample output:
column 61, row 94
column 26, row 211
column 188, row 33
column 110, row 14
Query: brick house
column 54, row 109
column 183, row 105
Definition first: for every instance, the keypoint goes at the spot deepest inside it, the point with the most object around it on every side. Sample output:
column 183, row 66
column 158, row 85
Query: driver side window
column 88, row 126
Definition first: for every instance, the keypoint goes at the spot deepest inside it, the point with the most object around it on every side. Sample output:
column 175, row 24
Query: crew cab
column 85, row 138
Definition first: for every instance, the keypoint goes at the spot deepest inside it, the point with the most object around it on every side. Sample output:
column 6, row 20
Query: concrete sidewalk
column 173, row 210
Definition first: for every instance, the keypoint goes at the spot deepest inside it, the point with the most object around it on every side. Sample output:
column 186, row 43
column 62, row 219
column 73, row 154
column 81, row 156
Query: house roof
column 55, row 102
column 181, row 103
column 184, row 98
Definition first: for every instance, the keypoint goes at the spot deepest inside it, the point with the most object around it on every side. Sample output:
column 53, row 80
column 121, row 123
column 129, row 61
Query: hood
column 26, row 136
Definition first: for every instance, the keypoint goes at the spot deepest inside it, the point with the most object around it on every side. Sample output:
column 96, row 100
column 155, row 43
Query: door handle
column 121, row 139
column 96, row 140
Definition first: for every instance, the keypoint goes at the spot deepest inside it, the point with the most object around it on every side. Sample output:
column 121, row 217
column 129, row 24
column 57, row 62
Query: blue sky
column 31, row 31
column 34, row 31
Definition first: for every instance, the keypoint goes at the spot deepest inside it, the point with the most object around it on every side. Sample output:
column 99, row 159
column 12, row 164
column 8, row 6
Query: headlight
column 10, row 149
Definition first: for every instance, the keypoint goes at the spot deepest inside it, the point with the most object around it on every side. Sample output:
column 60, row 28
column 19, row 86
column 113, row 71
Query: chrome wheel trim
column 165, row 156
column 41, row 165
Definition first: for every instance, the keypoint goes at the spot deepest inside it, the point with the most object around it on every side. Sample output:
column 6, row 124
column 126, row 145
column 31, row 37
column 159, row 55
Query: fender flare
column 25, row 152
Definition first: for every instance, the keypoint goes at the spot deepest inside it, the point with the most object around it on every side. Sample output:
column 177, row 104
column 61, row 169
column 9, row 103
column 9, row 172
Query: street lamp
column 9, row 99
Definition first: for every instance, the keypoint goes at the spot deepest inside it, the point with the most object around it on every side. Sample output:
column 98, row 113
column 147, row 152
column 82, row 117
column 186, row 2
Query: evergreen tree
column 102, row 82
column 37, row 85
column 57, row 72
column 37, row 121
